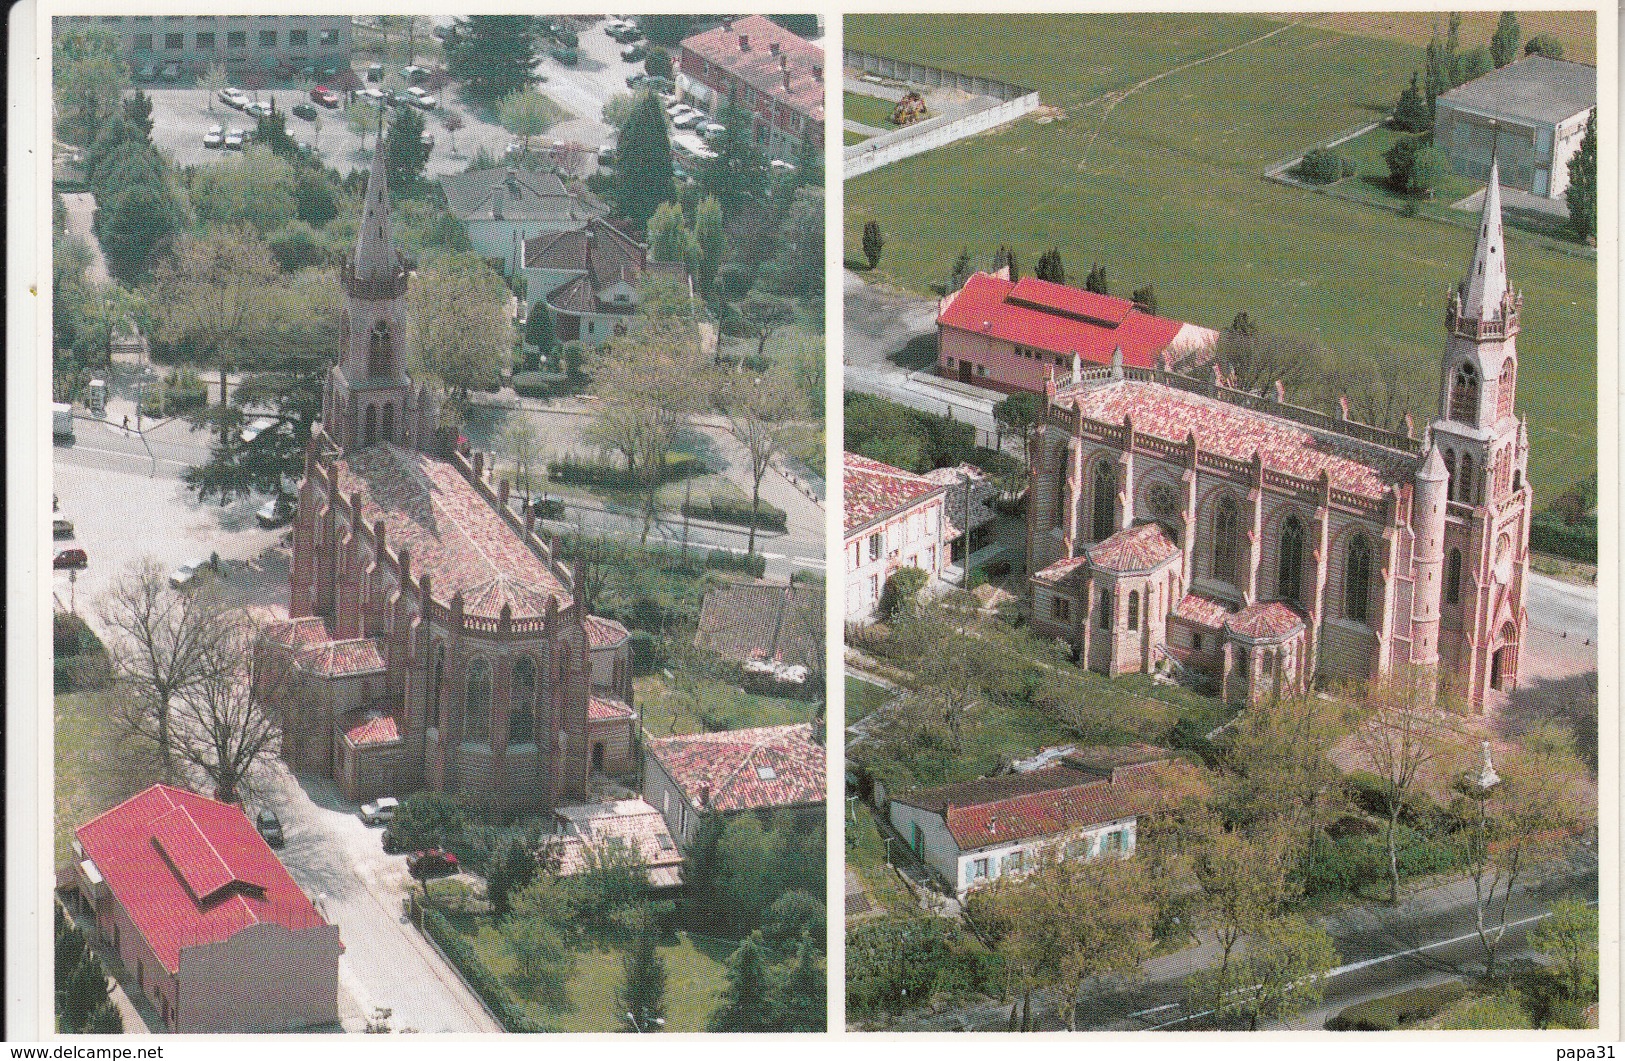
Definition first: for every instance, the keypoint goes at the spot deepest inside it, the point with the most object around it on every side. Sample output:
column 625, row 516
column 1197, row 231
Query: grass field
column 729, row 707
column 869, row 110
column 1577, row 30
column 862, row 698
column 848, row 137
column 1170, row 192
column 97, row 767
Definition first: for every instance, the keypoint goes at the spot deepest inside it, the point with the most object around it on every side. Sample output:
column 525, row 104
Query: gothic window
column 1061, row 490
column 477, row 703
column 1505, row 389
column 1289, row 578
column 1450, row 473
column 1103, row 519
column 1468, row 485
column 389, row 422
column 1104, row 618
column 1357, row 581
column 522, row 702
column 437, row 676
column 1164, row 505
column 379, row 357
column 1134, row 609
column 1226, row 529
column 1060, row 609
column 370, row 435
column 1452, row 578
column 1464, row 394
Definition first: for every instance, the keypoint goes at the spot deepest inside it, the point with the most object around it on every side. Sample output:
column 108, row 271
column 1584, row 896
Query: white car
column 257, row 110
column 371, row 95
column 421, row 99
column 381, row 811
column 234, row 97
column 256, row 427
column 688, row 120
column 711, row 130
column 235, row 140
column 188, row 573
column 215, row 137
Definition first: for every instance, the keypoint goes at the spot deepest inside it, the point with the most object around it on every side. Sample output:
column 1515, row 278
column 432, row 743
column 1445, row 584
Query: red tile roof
column 633, row 823
column 455, row 535
column 1061, row 568
column 759, row 67
column 745, row 769
column 1230, row 431
column 1205, row 611
column 1137, row 549
column 607, row 709
column 191, row 871
column 762, row 621
column 1058, row 319
column 874, row 490
column 1267, row 621
column 298, row 634
column 344, row 659
column 371, row 726
column 604, row 633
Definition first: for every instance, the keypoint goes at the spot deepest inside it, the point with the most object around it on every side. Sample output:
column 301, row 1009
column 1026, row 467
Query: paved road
column 1560, row 607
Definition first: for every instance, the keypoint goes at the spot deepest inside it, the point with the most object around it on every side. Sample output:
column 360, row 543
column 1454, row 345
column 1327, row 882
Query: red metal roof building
column 1017, row 336
column 773, row 75
column 207, row 921
column 894, row 519
column 763, row 769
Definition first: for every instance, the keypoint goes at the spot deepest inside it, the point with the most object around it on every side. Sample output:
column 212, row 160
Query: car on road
column 435, row 862
column 380, row 811
column 258, row 110
column 276, row 512
column 325, row 96
column 421, row 99
column 270, row 827
column 215, row 138
column 306, row 111
column 235, row 98
column 372, row 95
column 235, row 140
column 61, row 527
column 624, row 32
column 72, row 558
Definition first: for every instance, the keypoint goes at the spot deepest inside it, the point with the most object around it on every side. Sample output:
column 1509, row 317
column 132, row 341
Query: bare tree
column 757, row 413
column 213, row 81
column 162, row 646
column 227, row 723
column 520, row 437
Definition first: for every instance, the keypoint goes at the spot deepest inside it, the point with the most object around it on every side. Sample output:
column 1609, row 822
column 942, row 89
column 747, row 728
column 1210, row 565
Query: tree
column 801, row 25
column 739, row 173
column 902, row 591
column 643, row 167
column 709, row 242
column 1501, row 1010
column 461, row 325
column 668, row 240
column 798, row 1002
column 794, row 916
column 226, row 724
column 429, row 819
column 746, row 1004
column 666, row 30
column 797, row 266
column 1411, row 112
column 1050, row 267
column 1096, row 281
column 1006, row 259
column 405, row 153
column 541, row 956
column 658, row 63
column 1504, row 45
column 1243, row 886
column 1282, row 973
column 1017, row 415
column 87, row 80
column 1581, row 195
column 960, row 273
column 523, row 448
column 528, row 113
column 757, row 412
column 512, row 868
column 135, row 224
column 643, row 987
column 453, row 123
column 1145, row 299
column 539, row 332
column 1436, row 76
column 1568, row 938
column 1544, row 44
column 1415, row 166
column 873, row 243
column 257, row 192
column 763, row 314
column 493, row 55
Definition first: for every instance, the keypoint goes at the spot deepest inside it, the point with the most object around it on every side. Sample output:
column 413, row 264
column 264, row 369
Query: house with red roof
column 1087, row 804
column 1017, row 335
column 766, row 769
column 207, row 922
column 893, row 519
column 769, row 73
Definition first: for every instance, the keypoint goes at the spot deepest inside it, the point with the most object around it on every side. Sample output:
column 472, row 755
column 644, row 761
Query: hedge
column 648, row 655
column 753, row 564
column 722, row 510
column 545, row 385
column 1548, row 533
column 479, row 977
column 181, row 393
column 602, row 473
column 1394, row 1011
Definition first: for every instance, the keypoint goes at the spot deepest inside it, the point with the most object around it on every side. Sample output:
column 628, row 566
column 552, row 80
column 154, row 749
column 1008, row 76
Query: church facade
column 435, row 639
column 1259, row 547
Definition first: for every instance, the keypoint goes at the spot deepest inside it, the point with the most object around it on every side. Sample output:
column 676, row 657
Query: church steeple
column 375, row 259
column 1485, row 287
column 1479, row 378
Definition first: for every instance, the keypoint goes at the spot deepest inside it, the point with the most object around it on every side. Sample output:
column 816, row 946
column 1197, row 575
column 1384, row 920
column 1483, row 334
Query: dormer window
column 766, row 773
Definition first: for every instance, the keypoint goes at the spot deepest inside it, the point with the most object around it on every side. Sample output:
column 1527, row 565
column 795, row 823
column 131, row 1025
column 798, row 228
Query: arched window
column 1357, row 581
column 370, row 435
column 1450, row 470
column 1289, row 576
column 379, row 360
column 389, row 422
column 1464, row 394
column 1505, row 388
column 477, row 704
column 1469, row 486
column 1103, row 618
column 1105, row 502
column 1226, row 528
column 522, row 702
column 1134, row 609
column 1061, row 488
column 437, row 675
column 1452, row 577
column 1517, row 479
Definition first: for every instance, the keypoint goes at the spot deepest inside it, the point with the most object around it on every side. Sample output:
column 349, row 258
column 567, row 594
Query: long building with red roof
column 209, row 924
column 894, row 519
column 1017, row 336
column 756, row 65
column 768, row 768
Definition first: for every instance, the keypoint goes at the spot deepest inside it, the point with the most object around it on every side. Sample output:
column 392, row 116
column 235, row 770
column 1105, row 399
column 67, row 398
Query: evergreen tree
column 801, row 25
column 747, row 1001
column 512, row 868
column 1006, row 259
column 84, row 992
column 709, row 242
column 1411, row 112
column 643, row 173
column 1435, row 79
column 1050, row 267
column 1504, row 45
column 539, row 333
column 1582, row 190
column 700, row 873
column 138, row 112
column 799, row 999
column 1096, row 281
column 1242, row 324
column 960, row 273
column 873, row 243
column 405, row 151
column 1146, row 298
column 668, row 239
column 666, row 30
column 643, row 989
column 739, row 173
column 493, row 55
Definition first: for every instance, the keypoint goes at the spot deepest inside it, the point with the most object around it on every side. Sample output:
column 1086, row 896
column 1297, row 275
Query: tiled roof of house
column 1204, row 611
column 1231, row 431
column 1061, row 568
column 520, row 195
column 1058, row 319
column 604, row 633
column 633, row 823
column 761, row 620
column 745, row 769
column 1136, row 549
column 1534, row 88
column 597, row 248
column 573, row 296
column 1265, row 621
column 757, row 65
column 371, row 726
column 343, row 659
column 297, row 634
column 190, row 871
column 607, row 709
column 874, row 490
column 455, row 535
column 963, row 479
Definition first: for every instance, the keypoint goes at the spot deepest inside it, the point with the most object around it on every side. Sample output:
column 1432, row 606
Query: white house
column 499, row 206
column 1530, row 114
column 894, row 519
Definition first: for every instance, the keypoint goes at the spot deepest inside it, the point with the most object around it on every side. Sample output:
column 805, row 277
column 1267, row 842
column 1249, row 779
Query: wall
column 660, row 792
column 931, row 134
column 264, row 979
column 938, row 850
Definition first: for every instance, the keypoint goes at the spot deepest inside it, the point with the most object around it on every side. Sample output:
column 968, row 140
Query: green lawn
column 1371, row 171
column 866, row 856
column 867, row 110
column 848, row 137
column 862, row 698
column 723, row 706
column 97, row 766
column 1171, row 193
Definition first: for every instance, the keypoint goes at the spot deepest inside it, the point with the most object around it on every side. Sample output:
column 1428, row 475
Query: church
column 434, row 639
column 1257, row 547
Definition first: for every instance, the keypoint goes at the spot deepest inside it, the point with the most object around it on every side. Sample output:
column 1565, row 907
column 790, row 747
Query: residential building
column 244, row 43
column 200, row 913
column 501, row 208
column 1530, row 115
column 1084, row 805
column 588, row 833
column 435, row 640
column 1259, row 546
column 587, row 277
column 894, row 519
column 1017, row 336
column 766, row 71
column 762, row 770
column 763, row 621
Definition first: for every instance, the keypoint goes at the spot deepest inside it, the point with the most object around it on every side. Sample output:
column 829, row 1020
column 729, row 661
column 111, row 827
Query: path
column 81, row 208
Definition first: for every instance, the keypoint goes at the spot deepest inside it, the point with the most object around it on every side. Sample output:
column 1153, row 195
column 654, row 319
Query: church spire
column 1485, row 287
column 374, row 247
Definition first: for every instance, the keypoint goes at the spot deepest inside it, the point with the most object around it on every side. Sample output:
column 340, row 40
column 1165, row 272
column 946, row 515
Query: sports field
column 1170, row 192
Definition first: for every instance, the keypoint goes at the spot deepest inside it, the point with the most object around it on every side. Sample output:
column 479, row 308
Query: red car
column 72, row 559
column 325, row 96
column 436, row 862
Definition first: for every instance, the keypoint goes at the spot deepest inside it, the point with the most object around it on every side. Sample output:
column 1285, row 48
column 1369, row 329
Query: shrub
column 478, row 975
column 1324, row 166
column 902, row 588
column 753, row 564
column 1394, row 1011
column 648, row 654
column 1549, row 533
column 998, row 569
column 724, row 510
column 603, row 473
column 544, row 385
column 181, row 393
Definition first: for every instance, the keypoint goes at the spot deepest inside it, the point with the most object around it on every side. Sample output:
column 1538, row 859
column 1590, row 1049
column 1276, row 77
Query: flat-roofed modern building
column 1531, row 113
column 242, row 42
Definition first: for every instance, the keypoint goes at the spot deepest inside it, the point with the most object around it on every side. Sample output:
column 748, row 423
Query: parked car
column 233, row 97
column 276, row 512
column 415, row 75
column 435, row 862
column 270, row 827
column 61, row 527
column 235, row 140
column 372, row 95
column 711, row 130
column 189, row 572
column 421, row 99
column 380, row 811
column 257, row 110
column 215, row 138
column 688, row 119
column 325, row 96
column 307, row 111
column 72, row 558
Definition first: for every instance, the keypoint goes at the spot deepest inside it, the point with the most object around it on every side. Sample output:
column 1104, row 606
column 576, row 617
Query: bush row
column 544, row 385
column 723, row 510
column 181, row 393
column 479, row 977
column 1548, row 533
column 1394, row 1011
column 603, row 473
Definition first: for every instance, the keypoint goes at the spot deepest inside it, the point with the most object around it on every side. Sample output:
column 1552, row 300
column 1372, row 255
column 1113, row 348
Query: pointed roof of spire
column 1486, row 284
column 374, row 246
column 1433, row 469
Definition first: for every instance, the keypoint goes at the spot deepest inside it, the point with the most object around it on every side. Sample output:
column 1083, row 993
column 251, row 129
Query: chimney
column 773, row 46
column 1343, row 406
column 704, row 794
column 787, row 79
column 744, row 42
